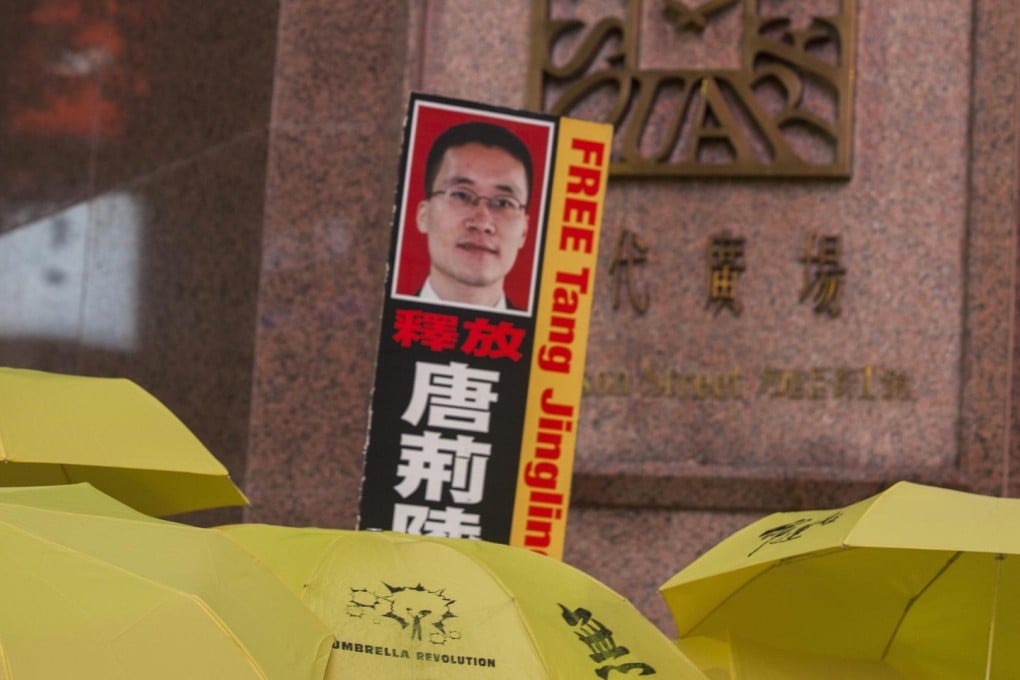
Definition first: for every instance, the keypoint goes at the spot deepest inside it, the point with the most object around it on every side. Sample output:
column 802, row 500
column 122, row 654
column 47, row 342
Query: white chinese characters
column 445, row 460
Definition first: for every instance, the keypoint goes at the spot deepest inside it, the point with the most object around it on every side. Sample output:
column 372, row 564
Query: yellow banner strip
column 561, row 336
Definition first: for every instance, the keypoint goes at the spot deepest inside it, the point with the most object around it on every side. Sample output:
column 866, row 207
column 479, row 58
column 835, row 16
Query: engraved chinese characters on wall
column 822, row 285
column 781, row 106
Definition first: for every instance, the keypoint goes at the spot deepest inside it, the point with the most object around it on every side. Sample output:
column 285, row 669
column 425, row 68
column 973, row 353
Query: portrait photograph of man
column 472, row 207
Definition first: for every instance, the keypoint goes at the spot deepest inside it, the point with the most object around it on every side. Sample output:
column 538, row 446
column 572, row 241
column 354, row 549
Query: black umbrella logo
column 424, row 613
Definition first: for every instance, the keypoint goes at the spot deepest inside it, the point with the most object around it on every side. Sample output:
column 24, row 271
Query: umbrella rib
column 915, row 598
column 995, row 610
column 532, row 635
column 5, row 666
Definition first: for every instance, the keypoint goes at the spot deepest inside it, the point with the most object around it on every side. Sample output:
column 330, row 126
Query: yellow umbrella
column 65, row 615
column 81, row 498
column 101, row 570
column 921, row 578
column 58, row 429
column 736, row 659
column 413, row 607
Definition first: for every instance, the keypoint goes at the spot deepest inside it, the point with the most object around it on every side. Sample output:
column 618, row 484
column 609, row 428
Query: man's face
column 472, row 247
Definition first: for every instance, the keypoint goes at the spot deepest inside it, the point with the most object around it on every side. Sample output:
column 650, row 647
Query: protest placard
column 485, row 323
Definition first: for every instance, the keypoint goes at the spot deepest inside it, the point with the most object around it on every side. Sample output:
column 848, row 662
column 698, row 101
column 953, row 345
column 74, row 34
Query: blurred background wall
column 133, row 146
column 196, row 195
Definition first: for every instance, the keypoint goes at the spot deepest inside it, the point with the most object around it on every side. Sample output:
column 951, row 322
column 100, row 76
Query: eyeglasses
column 502, row 207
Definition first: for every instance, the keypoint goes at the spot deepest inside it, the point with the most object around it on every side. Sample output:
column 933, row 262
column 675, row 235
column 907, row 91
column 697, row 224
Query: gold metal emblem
column 785, row 111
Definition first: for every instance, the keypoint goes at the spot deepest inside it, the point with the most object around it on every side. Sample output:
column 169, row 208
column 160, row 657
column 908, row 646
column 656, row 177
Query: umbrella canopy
column 921, row 578
column 414, row 607
column 58, row 429
column 83, row 618
column 79, row 569
column 737, row 659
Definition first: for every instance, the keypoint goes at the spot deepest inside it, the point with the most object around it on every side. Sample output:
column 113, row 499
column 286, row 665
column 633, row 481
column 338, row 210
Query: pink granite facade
column 211, row 219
